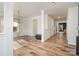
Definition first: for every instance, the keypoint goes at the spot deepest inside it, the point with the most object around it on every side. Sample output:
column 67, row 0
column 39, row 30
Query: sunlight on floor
column 16, row 45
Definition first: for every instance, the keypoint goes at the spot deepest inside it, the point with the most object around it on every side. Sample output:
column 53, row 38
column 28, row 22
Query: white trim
column 42, row 30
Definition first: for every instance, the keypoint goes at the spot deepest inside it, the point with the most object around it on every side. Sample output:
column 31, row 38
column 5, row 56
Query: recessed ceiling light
column 59, row 17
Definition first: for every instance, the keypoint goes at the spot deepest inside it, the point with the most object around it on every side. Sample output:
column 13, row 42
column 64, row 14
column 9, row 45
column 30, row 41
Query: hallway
column 54, row 46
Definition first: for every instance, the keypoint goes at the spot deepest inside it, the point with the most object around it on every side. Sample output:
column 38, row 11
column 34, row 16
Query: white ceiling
column 28, row 9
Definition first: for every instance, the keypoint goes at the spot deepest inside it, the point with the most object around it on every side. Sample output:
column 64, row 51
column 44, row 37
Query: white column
column 42, row 25
column 8, row 27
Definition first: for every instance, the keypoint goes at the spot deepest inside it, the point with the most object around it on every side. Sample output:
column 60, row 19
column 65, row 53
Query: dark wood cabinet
column 38, row 36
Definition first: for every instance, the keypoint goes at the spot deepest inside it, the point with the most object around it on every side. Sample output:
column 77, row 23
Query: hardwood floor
column 54, row 46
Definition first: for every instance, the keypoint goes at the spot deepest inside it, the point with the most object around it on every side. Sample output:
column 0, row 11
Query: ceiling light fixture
column 51, row 4
column 18, row 13
column 18, row 16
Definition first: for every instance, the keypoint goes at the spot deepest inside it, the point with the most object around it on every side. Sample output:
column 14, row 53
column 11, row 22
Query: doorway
column 61, row 31
column 35, row 27
column 62, row 27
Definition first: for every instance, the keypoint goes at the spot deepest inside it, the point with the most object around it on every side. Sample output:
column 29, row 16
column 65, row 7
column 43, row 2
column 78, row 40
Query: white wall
column 0, row 25
column 48, row 27
column 72, row 24
column 26, row 26
column 6, row 39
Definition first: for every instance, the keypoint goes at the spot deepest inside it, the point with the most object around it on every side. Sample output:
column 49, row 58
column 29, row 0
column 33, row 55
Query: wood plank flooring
column 54, row 46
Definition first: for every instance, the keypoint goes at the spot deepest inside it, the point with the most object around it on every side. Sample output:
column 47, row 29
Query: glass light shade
column 15, row 24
